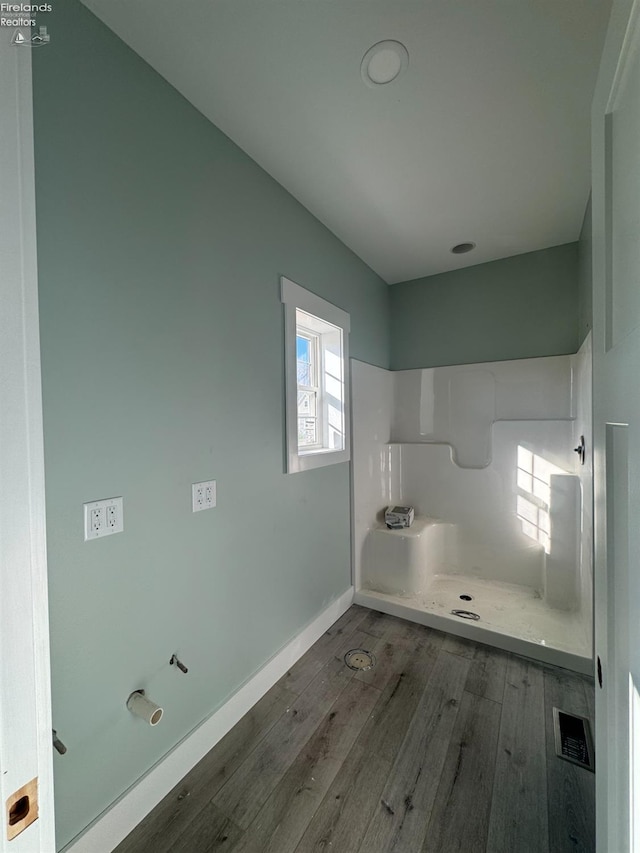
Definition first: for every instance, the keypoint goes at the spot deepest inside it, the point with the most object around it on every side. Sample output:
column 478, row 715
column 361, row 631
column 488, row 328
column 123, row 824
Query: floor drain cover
column 572, row 735
column 465, row 614
column 360, row 659
column 466, row 597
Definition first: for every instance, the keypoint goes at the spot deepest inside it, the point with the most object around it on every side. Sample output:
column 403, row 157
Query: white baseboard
column 114, row 824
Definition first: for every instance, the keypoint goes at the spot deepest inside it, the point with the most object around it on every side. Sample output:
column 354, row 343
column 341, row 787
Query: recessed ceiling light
column 463, row 248
column 383, row 63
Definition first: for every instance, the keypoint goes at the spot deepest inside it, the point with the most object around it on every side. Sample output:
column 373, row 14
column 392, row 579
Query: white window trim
column 293, row 297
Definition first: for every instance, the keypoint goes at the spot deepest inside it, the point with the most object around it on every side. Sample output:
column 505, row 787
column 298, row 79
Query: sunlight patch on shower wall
column 533, row 500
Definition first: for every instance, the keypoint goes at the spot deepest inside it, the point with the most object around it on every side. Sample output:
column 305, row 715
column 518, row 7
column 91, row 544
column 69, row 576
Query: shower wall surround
column 486, row 449
column 372, row 405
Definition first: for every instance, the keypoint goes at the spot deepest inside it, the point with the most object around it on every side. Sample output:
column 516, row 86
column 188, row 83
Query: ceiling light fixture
column 462, row 248
column 383, row 63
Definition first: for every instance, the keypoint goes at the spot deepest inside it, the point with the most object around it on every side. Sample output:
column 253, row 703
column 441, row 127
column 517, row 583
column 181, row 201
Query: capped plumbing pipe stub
column 360, row 659
column 144, row 708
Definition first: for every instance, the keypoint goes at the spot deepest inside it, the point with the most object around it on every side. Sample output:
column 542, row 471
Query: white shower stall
column 501, row 547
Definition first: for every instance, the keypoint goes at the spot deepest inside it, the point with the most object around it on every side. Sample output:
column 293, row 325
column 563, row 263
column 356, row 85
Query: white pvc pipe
column 144, row 708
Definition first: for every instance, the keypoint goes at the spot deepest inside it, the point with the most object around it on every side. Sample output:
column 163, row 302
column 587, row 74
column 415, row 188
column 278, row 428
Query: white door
column 616, row 271
column 26, row 785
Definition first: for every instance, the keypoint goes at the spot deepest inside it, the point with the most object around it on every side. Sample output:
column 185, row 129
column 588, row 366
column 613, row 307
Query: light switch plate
column 203, row 495
column 103, row 518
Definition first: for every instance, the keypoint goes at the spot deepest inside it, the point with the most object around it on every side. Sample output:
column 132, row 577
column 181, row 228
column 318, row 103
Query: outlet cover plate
column 103, row 518
column 203, row 495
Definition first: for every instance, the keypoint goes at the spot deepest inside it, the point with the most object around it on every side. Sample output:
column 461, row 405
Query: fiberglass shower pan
column 500, row 550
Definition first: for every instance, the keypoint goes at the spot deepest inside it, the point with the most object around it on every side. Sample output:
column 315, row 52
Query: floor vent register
column 573, row 739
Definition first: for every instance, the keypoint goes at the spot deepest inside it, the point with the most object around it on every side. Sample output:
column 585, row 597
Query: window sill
column 304, row 461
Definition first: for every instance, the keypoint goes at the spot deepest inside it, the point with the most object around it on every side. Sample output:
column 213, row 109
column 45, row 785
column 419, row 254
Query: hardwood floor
column 446, row 745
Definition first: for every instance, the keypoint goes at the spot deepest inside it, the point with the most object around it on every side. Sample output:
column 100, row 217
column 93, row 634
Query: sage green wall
column 160, row 247
column 585, row 277
column 519, row 307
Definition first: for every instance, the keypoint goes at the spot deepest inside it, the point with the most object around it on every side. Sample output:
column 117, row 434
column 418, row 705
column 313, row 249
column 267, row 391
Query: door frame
column 611, row 609
column 25, row 693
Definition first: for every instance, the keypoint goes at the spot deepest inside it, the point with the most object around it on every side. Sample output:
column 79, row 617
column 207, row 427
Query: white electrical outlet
column 102, row 518
column 203, row 495
column 210, row 494
column 97, row 522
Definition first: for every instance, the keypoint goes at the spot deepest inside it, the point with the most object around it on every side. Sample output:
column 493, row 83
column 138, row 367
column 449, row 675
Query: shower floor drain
column 360, row 659
column 466, row 614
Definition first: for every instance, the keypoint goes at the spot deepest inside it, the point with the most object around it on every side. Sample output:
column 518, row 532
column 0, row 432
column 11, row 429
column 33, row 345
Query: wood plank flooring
column 446, row 745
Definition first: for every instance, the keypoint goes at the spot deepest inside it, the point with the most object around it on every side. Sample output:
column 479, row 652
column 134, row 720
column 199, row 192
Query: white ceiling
column 484, row 138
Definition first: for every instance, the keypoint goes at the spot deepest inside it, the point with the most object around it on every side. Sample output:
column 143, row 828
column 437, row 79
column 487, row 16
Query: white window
column 316, row 376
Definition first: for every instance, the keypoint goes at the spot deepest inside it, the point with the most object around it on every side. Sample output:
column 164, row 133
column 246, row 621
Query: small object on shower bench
column 178, row 663
column 398, row 517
